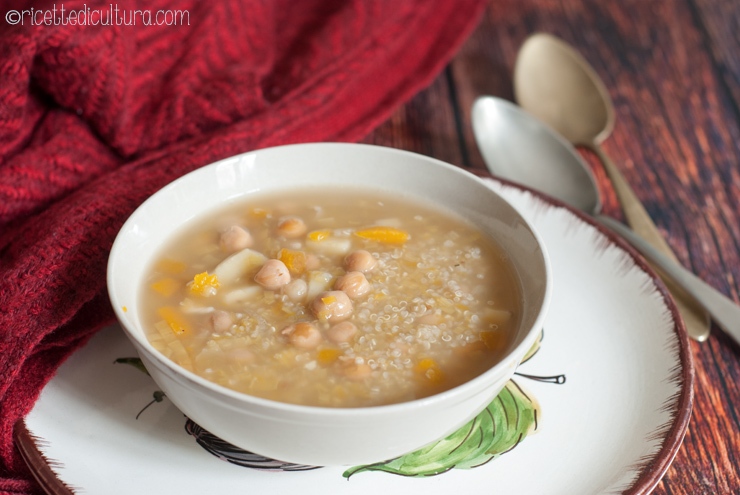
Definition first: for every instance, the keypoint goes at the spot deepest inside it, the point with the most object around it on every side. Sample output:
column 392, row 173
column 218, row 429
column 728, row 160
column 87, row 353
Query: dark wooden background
column 672, row 68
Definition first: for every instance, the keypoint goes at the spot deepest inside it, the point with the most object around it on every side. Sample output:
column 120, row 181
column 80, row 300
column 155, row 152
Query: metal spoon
column 517, row 146
column 554, row 83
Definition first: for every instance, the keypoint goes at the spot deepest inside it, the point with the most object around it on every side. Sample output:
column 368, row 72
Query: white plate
column 614, row 426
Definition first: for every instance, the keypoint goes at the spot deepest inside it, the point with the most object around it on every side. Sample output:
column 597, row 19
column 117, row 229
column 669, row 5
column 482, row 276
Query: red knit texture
column 94, row 119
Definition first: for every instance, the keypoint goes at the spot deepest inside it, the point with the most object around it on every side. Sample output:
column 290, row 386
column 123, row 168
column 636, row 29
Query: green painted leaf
column 535, row 347
column 133, row 361
column 497, row 429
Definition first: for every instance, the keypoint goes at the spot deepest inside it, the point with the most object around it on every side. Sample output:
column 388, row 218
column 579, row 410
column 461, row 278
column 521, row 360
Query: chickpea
column 273, row 275
column 333, row 305
column 341, row 332
column 291, row 227
column 235, row 239
column 220, row 321
column 354, row 284
column 296, row 290
column 357, row 371
column 360, row 261
column 303, row 335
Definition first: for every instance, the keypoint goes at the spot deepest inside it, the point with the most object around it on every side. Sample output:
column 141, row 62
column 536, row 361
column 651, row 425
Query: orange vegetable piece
column 429, row 369
column 203, row 281
column 294, row 260
column 328, row 299
column 387, row 235
column 174, row 319
column 328, row 356
column 319, row 235
column 166, row 286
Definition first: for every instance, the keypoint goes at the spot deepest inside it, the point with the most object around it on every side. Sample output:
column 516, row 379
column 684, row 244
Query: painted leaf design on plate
column 507, row 420
column 535, row 347
column 240, row 457
column 133, row 361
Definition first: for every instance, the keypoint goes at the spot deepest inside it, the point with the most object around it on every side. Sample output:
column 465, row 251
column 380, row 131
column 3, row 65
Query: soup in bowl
column 329, row 303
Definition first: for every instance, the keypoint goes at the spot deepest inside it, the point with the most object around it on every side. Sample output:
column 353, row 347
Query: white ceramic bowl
column 314, row 435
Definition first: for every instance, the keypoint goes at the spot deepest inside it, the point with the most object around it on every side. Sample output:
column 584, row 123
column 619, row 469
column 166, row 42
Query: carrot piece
column 174, row 320
column 166, row 286
column 319, row 235
column 429, row 369
column 202, row 282
column 328, row 299
column 294, row 260
column 387, row 235
column 328, row 356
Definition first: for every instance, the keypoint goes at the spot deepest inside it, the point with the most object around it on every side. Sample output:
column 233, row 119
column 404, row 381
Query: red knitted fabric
column 94, row 119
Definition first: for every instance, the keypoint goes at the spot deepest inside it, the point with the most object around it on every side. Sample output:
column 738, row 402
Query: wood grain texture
column 672, row 68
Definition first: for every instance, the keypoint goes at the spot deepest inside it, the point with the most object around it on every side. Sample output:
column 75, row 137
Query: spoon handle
column 697, row 323
column 723, row 310
column 634, row 211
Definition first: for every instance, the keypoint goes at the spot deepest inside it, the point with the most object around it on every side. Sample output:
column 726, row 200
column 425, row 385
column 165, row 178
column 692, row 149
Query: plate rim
column 651, row 470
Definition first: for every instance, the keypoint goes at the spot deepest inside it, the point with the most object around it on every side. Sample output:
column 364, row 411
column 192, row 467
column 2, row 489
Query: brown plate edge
column 40, row 466
column 653, row 469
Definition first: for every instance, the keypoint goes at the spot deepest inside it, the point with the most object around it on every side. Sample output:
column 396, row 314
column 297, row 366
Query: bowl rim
column 227, row 396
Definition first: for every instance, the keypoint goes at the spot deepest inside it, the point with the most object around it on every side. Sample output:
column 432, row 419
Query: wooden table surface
column 672, row 68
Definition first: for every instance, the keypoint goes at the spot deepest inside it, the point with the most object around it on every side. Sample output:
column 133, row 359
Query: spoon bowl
column 522, row 149
column 558, row 86
column 518, row 147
